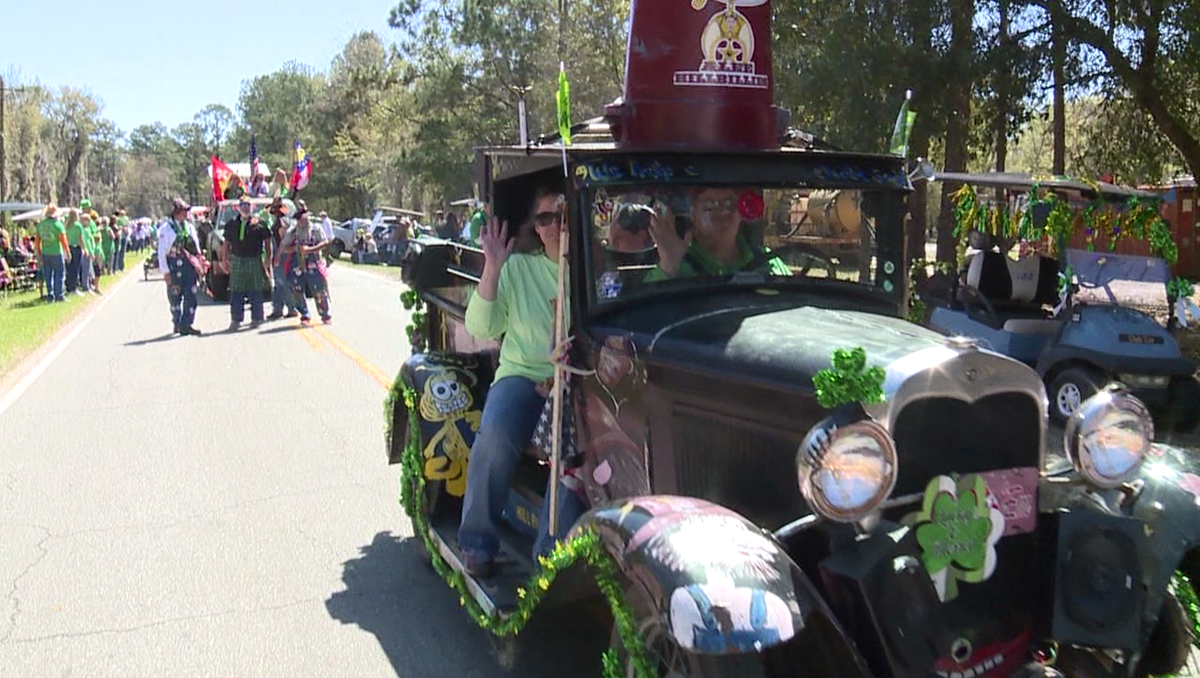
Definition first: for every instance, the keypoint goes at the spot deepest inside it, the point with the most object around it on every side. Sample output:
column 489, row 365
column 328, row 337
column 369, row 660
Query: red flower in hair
column 751, row 205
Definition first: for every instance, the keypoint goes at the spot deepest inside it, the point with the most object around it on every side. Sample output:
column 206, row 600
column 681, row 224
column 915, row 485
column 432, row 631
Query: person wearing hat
column 51, row 245
column 304, row 267
column 247, row 240
column 178, row 253
column 281, row 289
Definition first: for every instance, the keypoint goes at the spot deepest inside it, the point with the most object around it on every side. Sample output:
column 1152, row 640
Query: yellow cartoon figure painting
column 446, row 398
column 728, row 38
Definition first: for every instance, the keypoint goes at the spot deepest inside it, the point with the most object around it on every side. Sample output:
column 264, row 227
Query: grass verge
column 26, row 322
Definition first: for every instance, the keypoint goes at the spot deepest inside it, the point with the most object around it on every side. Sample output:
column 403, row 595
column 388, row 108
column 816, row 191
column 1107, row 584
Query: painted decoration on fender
column 447, row 402
column 734, row 596
column 957, row 528
column 727, row 46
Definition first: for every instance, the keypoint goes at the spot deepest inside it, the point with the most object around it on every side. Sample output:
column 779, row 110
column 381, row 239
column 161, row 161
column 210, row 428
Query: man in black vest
column 247, row 248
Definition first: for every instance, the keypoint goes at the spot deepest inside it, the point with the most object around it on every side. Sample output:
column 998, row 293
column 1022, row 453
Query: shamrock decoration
column 957, row 529
column 849, row 381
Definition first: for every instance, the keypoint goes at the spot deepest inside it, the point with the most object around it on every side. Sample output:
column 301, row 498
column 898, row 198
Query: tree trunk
column 958, row 110
column 1003, row 105
column 1058, row 57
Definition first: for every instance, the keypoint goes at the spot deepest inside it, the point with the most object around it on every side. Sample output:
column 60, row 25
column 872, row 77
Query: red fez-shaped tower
column 698, row 76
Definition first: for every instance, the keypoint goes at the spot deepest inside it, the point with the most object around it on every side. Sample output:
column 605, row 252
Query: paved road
column 221, row 506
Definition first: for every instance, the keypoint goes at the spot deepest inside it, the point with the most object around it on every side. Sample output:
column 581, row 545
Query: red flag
column 220, row 179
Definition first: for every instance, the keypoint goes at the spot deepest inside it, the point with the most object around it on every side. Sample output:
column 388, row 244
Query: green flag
column 903, row 128
column 562, row 99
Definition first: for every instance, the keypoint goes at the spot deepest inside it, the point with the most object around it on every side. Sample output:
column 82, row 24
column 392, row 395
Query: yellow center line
column 314, row 342
column 365, row 365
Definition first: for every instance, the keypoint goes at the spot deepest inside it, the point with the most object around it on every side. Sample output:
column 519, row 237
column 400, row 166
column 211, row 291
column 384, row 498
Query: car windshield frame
column 888, row 226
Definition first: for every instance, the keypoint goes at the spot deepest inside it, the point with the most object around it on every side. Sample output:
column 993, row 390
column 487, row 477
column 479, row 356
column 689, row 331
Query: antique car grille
column 751, row 468
column 937, row 436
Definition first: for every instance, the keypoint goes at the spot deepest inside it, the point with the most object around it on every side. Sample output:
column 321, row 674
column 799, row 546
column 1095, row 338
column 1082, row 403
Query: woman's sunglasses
column 547, row 218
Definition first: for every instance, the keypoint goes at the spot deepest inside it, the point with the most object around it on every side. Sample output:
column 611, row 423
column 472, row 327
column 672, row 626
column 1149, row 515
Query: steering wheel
column 793, row 252
column 977, row 296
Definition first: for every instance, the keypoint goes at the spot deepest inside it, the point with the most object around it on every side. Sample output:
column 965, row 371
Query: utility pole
column 4, row 151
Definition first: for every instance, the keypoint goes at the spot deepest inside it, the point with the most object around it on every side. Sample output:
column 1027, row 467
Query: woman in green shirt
column 51, row 245
column 515, row 298
column 108, row 242
column 75, row 235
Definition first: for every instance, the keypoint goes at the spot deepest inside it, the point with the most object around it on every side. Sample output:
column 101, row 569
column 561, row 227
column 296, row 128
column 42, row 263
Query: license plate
column 1139, row 339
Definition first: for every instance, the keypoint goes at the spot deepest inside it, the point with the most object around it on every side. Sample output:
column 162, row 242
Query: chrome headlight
column 846, row 472
column 1108, row 437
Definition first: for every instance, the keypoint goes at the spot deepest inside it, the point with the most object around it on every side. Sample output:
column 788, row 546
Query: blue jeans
column 55, row 271
column 281, row 294
column 181, row 293
column 74, row 270
column 510, row 414
column 237, row 305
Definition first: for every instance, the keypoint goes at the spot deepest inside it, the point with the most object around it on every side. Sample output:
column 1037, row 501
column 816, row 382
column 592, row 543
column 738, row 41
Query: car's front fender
column 714, row 580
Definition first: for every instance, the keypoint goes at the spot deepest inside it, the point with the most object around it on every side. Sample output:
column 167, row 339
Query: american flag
column 253, row 158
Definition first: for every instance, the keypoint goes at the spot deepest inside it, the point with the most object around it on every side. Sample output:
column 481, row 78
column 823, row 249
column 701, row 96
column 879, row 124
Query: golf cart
column 1030, row 307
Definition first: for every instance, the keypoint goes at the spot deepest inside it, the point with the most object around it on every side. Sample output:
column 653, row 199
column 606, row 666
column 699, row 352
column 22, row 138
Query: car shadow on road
column 394, row 594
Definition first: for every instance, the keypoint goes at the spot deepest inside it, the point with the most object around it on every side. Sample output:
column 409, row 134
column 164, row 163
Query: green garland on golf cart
column 418, row 326
column 849, row 380
column 584, row 547
column 916, row 306
column 1139, row 221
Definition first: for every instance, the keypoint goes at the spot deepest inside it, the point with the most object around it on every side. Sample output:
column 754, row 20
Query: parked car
column 344, row 235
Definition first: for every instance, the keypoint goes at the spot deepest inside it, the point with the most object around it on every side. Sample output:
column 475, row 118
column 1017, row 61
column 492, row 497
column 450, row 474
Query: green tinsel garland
column 418, row 326
column 916, row 305
column 1179, row 288
column 849, row 381
column 585, row 546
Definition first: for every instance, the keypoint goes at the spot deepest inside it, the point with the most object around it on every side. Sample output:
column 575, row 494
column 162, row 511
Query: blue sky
column 163, row 61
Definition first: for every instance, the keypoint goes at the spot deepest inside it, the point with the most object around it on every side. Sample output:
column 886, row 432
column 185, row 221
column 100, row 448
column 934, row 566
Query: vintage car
column 785, row 476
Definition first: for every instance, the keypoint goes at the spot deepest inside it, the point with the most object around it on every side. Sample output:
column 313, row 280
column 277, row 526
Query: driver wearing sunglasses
column 713, row 246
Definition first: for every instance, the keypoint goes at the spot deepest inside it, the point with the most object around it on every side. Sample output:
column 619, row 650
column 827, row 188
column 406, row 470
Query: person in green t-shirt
column 108, row 242
column 76, row 232
column 516, row 298
column 713, row 246
column 51, row 244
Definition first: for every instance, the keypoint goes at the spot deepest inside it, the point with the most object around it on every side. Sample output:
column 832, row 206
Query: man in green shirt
column 713, row 246
column 51, row 244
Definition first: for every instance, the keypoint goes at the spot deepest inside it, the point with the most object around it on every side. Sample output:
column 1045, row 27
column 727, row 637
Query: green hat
column 85, row 204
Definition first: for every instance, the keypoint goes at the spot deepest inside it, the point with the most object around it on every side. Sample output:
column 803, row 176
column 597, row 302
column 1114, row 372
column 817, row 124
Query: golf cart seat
column 1013, row 292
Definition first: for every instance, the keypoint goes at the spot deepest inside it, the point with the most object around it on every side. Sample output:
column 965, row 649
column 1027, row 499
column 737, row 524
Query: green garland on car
column 584, row 547
column 418, row 326
column 849, row 380
column 916, row 305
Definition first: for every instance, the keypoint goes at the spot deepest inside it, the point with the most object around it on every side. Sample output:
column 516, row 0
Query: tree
column 215, row 122
column 73, row 116
column 1150, row 49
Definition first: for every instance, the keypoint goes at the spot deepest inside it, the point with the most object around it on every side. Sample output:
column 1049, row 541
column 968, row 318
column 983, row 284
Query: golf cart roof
column 21, row 207
column 408, row 213
column 255, row 201
column 1026, row 181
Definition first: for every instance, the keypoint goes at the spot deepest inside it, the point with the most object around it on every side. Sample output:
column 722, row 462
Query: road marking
column 28, row 379
column 314, row 342
column 364, row 364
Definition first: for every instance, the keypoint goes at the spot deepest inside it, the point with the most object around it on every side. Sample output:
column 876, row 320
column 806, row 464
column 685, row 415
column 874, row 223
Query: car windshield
column 766, row 235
